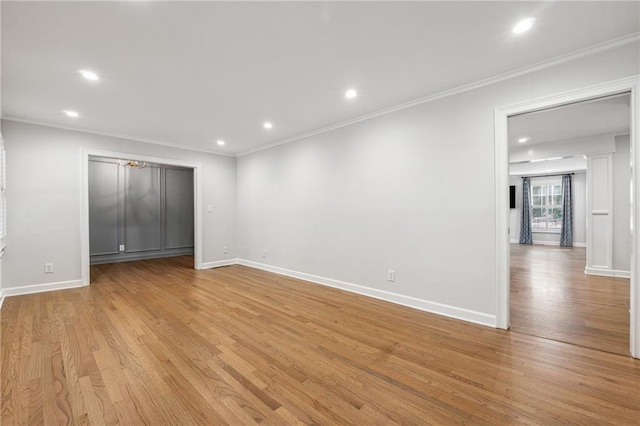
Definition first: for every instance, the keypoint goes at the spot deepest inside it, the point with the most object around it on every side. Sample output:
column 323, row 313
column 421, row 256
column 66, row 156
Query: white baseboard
column 218, row 263
column 39, row 288
column 549, row 243
column 1, row 298
column 412, row 302
column 607, row 273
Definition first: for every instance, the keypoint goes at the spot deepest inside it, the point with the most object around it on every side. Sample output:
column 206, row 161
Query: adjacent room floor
column 552, row 297
column 157, row 342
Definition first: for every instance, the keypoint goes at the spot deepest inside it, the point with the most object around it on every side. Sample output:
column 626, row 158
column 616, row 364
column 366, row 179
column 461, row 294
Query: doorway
column 629, row 85
column 139, row 210
column 87, row 154
column 566, row 163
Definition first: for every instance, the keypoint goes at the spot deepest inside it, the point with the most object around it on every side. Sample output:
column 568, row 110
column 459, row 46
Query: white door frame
column 85, row 153
column 629, row 84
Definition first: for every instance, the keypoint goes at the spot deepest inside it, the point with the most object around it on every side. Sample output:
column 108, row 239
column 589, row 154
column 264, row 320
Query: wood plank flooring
column 156, row 342
column 552, row 297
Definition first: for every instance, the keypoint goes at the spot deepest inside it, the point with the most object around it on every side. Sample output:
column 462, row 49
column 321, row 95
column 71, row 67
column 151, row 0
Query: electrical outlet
column 121, row 247
column 209, row 208
column 264, row 253
column 391, row 275
column 48, row 268
column 225, row 250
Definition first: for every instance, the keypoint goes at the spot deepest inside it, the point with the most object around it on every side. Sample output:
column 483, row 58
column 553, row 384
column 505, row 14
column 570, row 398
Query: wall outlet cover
column 391, row 275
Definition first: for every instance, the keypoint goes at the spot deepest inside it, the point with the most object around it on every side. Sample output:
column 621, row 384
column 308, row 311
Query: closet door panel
column 143, row 219
column 178, row 208
column 103, row 208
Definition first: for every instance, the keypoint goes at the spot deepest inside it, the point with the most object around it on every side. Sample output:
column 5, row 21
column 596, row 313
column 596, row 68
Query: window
column 546, row 199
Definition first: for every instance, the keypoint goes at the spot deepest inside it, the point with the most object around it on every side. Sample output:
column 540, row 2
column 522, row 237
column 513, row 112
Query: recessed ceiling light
column 70, row 113
column 267, row 125
column 524, row 25
column 89, row 75
column 523, row 140
column 350, row 94
column 220, row 142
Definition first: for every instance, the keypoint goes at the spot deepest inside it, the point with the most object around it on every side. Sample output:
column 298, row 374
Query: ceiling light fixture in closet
column 133, row 164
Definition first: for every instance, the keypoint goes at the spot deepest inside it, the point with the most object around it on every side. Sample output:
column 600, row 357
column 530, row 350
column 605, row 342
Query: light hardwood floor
column 552, row 297
column 156, row 342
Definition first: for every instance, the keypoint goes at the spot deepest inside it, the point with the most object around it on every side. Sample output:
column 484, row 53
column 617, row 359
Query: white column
column 599, row 215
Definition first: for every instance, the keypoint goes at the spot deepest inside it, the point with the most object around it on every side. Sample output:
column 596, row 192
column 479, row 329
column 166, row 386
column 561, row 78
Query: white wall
column 579, row 181
column 411, row 191
column 622, row 204
column 43, row 197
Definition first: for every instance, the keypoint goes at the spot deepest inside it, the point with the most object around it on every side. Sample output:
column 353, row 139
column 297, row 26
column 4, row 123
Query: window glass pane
column 557, row 200
column 557, row 189
column 537, row 219
column 537, row 200
column 536, row 190
column 555, row 218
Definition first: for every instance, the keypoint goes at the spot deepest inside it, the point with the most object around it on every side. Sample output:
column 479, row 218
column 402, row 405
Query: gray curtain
column 566, row 233
column 525, row 220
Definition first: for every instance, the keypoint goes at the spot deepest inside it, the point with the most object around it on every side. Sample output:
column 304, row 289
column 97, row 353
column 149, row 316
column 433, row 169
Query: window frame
column 547, row 182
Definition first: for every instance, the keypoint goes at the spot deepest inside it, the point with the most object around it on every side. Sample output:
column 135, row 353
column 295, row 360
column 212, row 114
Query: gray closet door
column 143, row 229
column 103, row 208
column 178, row 208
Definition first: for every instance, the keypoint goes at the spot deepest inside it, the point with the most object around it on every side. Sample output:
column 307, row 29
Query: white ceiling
column 188, row 74
column 564, row 165
column 605, row 116
column 570, row 125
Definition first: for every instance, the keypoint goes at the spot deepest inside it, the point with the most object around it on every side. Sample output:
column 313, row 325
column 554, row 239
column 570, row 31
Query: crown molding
column 601, row 47
column 114, row 135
